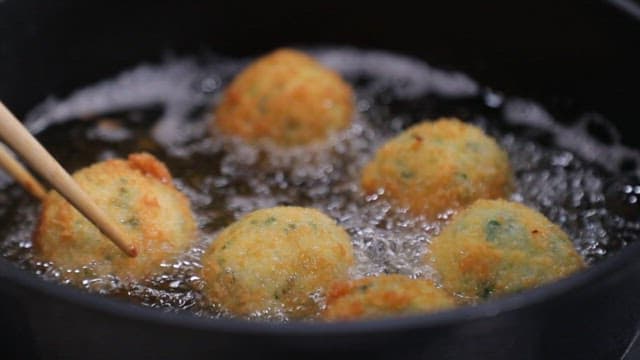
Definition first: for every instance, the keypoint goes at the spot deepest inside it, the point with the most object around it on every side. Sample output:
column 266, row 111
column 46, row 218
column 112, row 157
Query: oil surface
column 578, row 175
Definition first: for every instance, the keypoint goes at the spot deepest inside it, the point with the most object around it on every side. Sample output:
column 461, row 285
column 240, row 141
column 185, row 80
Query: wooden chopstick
column 16, row 136
column 20, row 174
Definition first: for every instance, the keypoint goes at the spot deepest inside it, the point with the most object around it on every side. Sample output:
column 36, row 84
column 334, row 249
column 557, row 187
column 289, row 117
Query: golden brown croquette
column 437, row 166
column 383, row 296
column 286, row 97
column 276, row 259
column 496, row 247
column 138, row 193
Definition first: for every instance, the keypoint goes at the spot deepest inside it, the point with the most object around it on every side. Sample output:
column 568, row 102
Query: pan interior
column 575, row 171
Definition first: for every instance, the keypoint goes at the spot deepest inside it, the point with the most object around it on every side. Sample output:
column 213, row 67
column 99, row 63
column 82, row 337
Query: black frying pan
column 571, row 56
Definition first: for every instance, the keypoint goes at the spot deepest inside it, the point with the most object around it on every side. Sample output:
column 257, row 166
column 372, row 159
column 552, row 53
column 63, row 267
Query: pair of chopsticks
column 18, row 138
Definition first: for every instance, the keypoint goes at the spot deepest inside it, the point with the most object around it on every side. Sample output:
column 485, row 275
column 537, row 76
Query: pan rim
column 133, row 312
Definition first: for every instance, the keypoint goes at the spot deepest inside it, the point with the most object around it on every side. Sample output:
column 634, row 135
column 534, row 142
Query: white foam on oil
column 572, row 137
column 406, row 76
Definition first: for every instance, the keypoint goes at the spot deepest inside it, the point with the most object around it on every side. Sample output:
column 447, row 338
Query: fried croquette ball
column 139, row 195
column 437, row 166
column 276, row 259
column 287, row 97
column 384, row 296
column 496, row 247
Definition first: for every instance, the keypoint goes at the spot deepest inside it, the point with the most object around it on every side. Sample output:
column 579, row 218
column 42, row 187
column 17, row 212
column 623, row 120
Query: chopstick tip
column 132, row 251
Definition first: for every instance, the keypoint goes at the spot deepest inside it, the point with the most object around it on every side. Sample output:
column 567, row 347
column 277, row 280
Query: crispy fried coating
column 384, row 296
column 276, row 258
column 496, row 247
column 287, row 97
column 139, row 195
column 436, row 166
